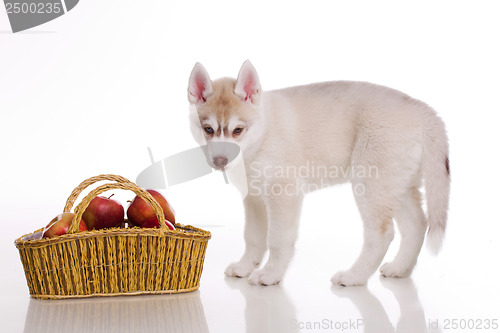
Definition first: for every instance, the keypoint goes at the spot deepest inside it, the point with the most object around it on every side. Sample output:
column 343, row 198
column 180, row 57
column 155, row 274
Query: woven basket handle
column 124, row 186
column 86, row 183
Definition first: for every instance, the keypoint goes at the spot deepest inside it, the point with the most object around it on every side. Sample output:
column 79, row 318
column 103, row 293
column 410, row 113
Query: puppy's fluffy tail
column 436, row 173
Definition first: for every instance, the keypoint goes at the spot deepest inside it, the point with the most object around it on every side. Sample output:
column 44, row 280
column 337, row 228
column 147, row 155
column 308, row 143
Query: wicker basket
column 115, row 261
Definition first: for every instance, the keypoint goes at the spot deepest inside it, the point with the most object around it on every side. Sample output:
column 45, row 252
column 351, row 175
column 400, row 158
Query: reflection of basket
column 116, row 261
column 164, row 313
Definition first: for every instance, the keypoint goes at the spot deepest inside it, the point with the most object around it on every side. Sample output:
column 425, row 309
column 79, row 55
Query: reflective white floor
column 441, row 290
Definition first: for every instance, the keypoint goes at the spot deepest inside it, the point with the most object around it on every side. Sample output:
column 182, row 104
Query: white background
column 88, row 92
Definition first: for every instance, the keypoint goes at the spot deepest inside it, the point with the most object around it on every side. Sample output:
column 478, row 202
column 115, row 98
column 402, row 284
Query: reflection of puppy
column 412, row 317
column 299, row 139
column 375, row 318
column 267, row 309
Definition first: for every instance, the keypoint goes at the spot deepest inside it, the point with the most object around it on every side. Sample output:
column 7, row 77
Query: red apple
column 103, row 213
column 141, row 214
column 60, row 225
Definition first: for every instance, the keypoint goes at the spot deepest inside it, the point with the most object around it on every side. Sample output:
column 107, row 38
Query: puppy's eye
column 237, row 131
column 209, row 130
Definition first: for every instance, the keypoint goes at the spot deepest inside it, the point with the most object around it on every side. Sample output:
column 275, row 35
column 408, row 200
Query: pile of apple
column 104, row 213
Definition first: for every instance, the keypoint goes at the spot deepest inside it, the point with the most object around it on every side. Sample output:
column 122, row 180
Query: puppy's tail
column 436, row 173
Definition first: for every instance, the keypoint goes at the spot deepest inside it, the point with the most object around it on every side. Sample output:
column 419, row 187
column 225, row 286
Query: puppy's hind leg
column 255, row 238
column 378, row 234
column 412, row 225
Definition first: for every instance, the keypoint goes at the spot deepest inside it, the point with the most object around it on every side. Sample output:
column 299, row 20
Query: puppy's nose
column 220, row 162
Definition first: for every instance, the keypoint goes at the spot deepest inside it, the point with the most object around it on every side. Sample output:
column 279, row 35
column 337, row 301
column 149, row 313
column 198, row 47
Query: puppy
column 300, row 139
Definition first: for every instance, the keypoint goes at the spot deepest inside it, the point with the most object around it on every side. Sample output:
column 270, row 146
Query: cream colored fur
column 299, row 139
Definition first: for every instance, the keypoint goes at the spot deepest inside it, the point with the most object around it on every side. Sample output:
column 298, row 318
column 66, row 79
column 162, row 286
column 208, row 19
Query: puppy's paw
column 395, row 270
column 239, row 269
column 348, row 278
column 264, row 277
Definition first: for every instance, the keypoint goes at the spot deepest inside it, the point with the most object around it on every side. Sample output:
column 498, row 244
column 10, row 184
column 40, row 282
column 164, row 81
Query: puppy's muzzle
column 220, row 162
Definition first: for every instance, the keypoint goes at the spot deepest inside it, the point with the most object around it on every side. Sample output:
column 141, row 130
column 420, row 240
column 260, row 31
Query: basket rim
column 180, row 232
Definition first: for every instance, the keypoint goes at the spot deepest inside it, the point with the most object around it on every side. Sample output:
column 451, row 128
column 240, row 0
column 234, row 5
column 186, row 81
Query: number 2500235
column 33, row 8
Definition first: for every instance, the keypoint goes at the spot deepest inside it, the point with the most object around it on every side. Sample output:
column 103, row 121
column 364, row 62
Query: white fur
column 348, row 127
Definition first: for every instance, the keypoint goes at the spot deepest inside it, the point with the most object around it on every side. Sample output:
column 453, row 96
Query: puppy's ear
column 200, row 85
column 247, row 84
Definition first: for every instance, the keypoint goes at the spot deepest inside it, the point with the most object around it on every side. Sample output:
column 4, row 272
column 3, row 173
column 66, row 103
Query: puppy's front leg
column 283, row 217
column 255, row 238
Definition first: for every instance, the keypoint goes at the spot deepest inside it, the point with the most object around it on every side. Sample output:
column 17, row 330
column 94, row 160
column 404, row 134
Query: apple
column 103, row 213
column 141, row 214
column 60, row 225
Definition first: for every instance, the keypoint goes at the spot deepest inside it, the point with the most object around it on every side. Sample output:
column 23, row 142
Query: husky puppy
column 299, row 139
